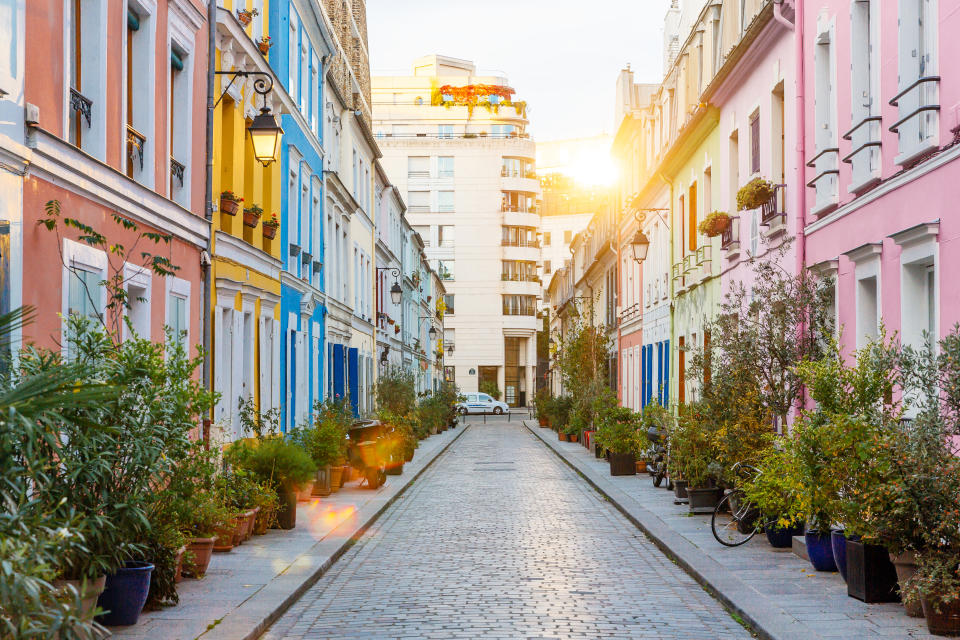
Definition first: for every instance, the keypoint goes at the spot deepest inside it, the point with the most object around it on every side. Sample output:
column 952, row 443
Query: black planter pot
column 680, row 490
column 125, row 594
column 395, row 469
column 871, row 577
column 622, row 464
column 703, row 500
column 287, row 513
column 782, row 537
column 598, row 451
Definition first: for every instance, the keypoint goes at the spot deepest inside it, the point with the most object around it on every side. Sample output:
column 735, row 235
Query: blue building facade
column 301, row 48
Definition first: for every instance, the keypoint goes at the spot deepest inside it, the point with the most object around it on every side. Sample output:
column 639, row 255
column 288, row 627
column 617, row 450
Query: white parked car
column 481, row 403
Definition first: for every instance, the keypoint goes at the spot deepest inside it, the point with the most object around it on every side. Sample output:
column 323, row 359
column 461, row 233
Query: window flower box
column 230, row 203
column 270, row 227
column 264, row 44
column 251, row 216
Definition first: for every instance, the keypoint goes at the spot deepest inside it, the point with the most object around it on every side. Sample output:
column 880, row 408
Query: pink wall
column 750, row 87
column 923, row 193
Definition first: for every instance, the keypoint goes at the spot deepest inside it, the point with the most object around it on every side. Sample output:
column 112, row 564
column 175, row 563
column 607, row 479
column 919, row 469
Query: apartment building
column 455, row 143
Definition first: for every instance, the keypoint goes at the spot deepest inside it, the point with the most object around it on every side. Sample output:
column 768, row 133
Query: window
column 692, row 223
column 826, row 167
column 755, row 143
column 82, row 291
column 917, row 98
column 519, row 305
column 418, row 201
column 180, row 120
column 445, row 166
column 424, row 232
column 567, row 236
column 315, row 93
column 293, row 199
column 139, row 88
column 445, row 201
column 418, row 167
column 399, row 130
column 501, row 130
column 137, row 283
column 293, row 55
column 864, row 134
column 546, row 238
column 446, row 235
column 445, row 131
column 867, row 307
column 547, row 267
column 448, row 302
column 445, row 269
column 918, row 285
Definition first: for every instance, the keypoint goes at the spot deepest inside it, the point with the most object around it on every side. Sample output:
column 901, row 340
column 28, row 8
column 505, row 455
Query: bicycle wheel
column 739, row 525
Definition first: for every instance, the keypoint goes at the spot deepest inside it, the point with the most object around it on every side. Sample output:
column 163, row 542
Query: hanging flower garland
column 472, row 95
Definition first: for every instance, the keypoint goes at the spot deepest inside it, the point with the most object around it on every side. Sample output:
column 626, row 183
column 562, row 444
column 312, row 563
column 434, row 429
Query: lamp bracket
column 262, row 85
column 394, row 271
column 638, row 216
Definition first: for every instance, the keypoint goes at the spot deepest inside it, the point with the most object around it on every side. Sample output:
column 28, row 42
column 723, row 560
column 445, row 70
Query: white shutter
column 266, row 361
column 302, row 397
column 274, row 351
column 219, row 369
column 236, row 370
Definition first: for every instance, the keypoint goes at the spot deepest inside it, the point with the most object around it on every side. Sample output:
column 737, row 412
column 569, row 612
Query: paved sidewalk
column 779, row 594
column 500, row 539
column 246, row 589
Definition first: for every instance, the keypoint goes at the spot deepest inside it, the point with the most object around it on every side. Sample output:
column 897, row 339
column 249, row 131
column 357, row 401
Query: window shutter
column 266, row 361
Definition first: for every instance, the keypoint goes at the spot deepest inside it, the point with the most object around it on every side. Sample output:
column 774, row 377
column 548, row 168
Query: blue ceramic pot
column 125, row 594
column 838, row 542
column 782, row 537
column 819, row 550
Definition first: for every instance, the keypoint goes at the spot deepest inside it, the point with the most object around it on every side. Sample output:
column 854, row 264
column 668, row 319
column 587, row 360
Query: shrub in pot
column 714, row 224
column 618, row 433
column 754, row 194
column 777, row 496
column 693, row 458
column 281, row 464
column 325, row 438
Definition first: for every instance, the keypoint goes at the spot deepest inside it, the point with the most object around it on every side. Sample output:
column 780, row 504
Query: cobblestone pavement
column 499, row 539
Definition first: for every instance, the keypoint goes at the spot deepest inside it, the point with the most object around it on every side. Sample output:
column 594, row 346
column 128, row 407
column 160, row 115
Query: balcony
column 771, row 209
column 677, row 273
column 136, row 144
column 730, row 238
column 520, row 243
column 176, row 171
column 517, row 277
column 81, row 105
column 418, row 174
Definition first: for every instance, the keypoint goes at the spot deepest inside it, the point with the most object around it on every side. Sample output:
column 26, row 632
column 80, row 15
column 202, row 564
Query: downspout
column 205, row 265
column 801, row 120
column 778, row 14
column 672, row 389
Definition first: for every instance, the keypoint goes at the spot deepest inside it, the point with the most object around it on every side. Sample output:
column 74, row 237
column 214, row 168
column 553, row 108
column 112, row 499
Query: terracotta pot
column 261, row 522
column 270, row 231
column 906, row 565
column 178, row 571
column 229, row 207
column 89, row 592
column 264, row 47
column 245, row 17
column 249, row 521
column 946, row 621
column 336, row 478
column 641, row 466
column 542, row 422
column 561, row 436
column 321, row 485
column 251, row 219
column 572, row 437
column 347, row 476
column 305, row 493
column 228, row 536
column 196, row 562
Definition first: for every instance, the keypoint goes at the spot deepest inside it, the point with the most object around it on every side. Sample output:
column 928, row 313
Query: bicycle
column 744, row 519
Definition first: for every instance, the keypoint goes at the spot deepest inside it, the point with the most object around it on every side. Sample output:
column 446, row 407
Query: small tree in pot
column 618, row 434
column 693, row 459
column 281, row 464
column 776, row 495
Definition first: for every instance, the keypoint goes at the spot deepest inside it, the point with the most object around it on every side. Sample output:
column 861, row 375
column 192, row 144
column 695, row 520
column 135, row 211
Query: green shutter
column 133, row 22
column 175, row 61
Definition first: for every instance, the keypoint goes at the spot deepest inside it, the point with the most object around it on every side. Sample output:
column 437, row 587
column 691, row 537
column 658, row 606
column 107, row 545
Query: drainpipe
column 671, row 364
column 800, row 118
column 778, row 14
column 205, row 319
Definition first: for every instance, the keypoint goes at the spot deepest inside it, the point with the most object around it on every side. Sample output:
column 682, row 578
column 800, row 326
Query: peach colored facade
column 882, row 143
column 80, row 154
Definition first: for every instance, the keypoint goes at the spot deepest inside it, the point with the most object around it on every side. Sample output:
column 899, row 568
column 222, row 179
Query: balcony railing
column 517, row 277
column 82, row 105
column 506, row 172
column 730, row 238
column 418, row 174
column 418, row 208
column 176, row 170
column 512, row 208
column 771, row 208
column 136, row 143
column 521, row 243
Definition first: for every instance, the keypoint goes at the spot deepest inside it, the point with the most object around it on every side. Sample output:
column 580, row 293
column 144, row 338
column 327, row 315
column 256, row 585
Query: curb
column 261, row 614
column 761, row 615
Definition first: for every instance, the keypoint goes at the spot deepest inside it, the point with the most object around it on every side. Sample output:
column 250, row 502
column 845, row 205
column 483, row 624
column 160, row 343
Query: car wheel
column 497, row 411
column 462, row 411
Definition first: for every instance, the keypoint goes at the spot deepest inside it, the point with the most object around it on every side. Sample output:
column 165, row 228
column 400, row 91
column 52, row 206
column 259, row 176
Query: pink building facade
column 881, row 144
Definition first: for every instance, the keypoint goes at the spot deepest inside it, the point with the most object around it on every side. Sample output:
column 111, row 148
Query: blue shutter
column 666, row 373
column 648, row 359
column 353, row 364
column 338, row 387
column 643, row 376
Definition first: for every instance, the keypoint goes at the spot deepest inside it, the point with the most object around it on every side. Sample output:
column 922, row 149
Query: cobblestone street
column 499, row 539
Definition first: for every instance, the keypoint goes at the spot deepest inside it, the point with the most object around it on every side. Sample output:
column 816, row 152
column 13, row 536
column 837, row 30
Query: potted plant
column 264, row 44
column 618, row 434
column 251, row 216
column 715, row 224
column 396, row 329
column 230, row 202
column 693, row 459
column 776, row 495
column 245, row 17
column 754, row 194
column 207, row 515
column 270, row 227
column 325, row 441
column 281, row 464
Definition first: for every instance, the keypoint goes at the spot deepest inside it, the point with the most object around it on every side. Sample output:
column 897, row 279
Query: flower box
column 251, row 218
column 230, row 203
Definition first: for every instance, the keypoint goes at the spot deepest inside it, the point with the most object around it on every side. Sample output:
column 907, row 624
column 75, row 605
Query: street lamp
column 450, row 349
column 265, row 134
column 640, row 245
column 396, row 293
column 432, row 333
column 264, row 131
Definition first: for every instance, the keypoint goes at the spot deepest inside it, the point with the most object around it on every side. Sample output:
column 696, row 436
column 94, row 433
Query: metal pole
column 205, row 313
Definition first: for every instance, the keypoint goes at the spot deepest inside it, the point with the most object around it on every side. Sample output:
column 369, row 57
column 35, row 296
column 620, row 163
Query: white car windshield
column 485, row 398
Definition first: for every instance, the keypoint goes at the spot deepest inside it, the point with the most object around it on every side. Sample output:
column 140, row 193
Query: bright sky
column 562, row 56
